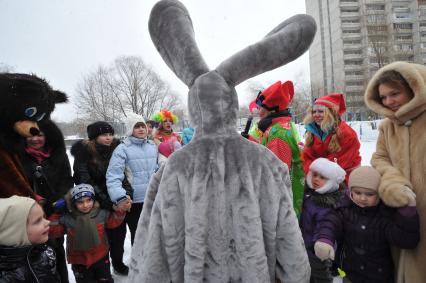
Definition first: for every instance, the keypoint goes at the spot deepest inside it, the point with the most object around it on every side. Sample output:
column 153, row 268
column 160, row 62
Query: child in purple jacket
column 323, row 190
column 364, row 228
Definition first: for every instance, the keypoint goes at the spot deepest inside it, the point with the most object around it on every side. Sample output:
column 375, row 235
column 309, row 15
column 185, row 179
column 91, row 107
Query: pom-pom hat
column 333, row 100
column 276, row 97
column 329, row 169
column 82, row 190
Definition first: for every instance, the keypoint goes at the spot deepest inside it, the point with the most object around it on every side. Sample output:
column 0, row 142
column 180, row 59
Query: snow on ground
column 367, row 133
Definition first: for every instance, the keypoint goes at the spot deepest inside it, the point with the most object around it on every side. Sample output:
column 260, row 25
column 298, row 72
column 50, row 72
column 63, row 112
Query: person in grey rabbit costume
column 220, row 209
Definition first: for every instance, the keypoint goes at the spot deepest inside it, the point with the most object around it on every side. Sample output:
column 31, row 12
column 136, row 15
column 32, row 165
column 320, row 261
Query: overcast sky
column 63, row 40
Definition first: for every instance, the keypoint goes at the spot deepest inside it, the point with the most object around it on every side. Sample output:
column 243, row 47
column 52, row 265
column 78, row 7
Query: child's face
column 140, row 131
column 84, row 204
column 37, row 226
column 364, row 197
column 318, row 180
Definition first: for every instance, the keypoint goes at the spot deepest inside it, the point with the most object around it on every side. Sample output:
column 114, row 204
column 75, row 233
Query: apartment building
column 356, row 37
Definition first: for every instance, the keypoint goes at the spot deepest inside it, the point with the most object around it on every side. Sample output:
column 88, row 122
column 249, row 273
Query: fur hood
column 415, row 75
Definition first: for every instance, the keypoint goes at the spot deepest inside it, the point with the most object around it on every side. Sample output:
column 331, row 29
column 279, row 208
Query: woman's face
column 167, row 125
column 393, row 96
column 149, row 128
column 263, row 112
column 318, row 112
column 37, row 225
column 105, row 139
column 37, row 142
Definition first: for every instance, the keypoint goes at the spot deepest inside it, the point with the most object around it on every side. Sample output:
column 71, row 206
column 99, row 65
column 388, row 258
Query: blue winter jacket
column 137, row 158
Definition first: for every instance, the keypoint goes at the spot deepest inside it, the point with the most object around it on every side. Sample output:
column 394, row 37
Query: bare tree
column 5, row 68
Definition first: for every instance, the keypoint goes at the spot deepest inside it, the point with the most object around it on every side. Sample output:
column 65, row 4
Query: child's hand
column 323, row 251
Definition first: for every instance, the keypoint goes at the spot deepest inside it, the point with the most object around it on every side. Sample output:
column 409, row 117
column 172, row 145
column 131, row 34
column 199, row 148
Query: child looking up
column 24, row 256
column 323, row 190
column 87, row 243
column 365, row 228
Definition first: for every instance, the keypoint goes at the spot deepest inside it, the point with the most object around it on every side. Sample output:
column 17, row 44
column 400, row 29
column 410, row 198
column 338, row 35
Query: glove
column 323, row 251
column 411, row 196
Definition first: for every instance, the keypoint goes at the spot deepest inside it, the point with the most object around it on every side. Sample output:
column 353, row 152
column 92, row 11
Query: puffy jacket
column 137, row 160
column 28, row 264
column 90, row 166
column 365, row 236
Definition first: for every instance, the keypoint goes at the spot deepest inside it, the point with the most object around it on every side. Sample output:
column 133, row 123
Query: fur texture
column 400, row 159
column 227, row 214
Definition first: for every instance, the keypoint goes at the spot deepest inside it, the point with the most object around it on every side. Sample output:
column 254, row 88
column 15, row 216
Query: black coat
column 365, row 235
column 91, row 162
column 52, row 178
column 28, row 264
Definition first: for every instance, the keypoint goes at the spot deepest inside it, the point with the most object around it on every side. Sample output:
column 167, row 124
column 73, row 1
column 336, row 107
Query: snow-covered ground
column 367, row 133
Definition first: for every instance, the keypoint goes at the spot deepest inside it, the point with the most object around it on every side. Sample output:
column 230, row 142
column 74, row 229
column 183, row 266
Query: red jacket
column 348, row 157
column 65, row 224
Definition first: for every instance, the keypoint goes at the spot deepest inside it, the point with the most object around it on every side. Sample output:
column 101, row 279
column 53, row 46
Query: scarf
column 38, row 154
column 86, row 233
column 264, row 123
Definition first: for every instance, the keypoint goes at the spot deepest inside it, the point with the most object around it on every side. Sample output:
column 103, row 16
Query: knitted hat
column 164, row 114
column 82, row 190
column 333, row 100
column 365, row 177
column 14, row 213
column 276, row 97
column 329, row 169
column 99, row 128
column 132, row 119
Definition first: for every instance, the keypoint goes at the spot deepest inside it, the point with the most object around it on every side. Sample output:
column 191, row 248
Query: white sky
column 62, row 40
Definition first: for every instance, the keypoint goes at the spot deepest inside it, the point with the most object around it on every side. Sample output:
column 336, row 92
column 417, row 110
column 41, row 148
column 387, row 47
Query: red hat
column 333, row 100
column 277, row 97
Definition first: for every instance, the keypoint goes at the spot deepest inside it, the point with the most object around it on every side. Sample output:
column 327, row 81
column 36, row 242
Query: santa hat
column 132, row 119
column 277, row 97
column 333, row 100
column 329, row 169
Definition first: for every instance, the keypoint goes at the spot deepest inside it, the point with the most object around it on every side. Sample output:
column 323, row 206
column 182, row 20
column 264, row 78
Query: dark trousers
column 116, row 239
column 132, row 219
column 61, row 265
column 98, row 272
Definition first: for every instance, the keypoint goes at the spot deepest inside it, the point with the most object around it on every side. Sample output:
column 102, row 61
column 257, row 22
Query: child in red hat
column 328, row 136
column 277, row 132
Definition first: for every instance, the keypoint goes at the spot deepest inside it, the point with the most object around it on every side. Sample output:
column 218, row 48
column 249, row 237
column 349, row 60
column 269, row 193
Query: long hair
column 328, row 124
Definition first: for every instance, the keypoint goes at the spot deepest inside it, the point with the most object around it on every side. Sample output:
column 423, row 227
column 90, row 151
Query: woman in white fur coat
column 398, row 92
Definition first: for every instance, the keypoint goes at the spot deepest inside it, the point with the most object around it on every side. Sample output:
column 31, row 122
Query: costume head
column 99, row 128
column 131, row 120
column 365, row 177
column 82, row 190
column 329, row 169
column 14, row 213
column 276, row 97
column 164, row 115
column 333, row 100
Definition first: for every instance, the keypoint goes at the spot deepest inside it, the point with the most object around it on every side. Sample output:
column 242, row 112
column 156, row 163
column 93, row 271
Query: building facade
column 357, row 37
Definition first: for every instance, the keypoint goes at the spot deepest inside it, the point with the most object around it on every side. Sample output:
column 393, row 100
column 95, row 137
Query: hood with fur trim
column 415, row 75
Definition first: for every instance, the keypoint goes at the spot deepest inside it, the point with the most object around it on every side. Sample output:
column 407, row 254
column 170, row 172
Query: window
column 352, row 52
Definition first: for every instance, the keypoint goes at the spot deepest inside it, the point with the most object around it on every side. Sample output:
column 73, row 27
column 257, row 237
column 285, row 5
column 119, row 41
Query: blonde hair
column 328, row 124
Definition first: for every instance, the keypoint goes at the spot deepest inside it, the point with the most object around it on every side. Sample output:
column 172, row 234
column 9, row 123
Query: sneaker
column 121, row 269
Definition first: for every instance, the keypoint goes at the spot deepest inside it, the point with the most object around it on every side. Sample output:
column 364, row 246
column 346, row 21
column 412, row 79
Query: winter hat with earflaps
column 365, row 177
column 131, row 120
column 333, row 100
column 329, row 169
column 14, row 213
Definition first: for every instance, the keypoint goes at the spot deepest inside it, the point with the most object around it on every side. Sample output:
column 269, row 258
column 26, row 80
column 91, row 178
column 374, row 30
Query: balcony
column 349, row 26
column 352, row 56
column 354, row 88
column 352, row 78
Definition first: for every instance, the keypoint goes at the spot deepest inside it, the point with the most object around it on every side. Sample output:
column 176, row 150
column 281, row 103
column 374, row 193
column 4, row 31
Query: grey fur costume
column 220, row 209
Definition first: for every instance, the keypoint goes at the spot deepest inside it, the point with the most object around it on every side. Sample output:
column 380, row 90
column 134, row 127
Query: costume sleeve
column 349, row 157
column 281, row 149
column 308, row 156
column 80, row 166
column 66, row 182
column 404, row 231
column 391, row 188
column 115, row 174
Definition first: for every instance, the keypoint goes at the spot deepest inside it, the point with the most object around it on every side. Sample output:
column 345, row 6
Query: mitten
column 411, row 196
column 323, row 250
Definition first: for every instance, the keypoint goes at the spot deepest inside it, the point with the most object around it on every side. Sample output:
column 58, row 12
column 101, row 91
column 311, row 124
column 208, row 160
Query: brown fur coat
column 400, row 158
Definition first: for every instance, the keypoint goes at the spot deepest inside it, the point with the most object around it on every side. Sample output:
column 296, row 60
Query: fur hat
column 329, row 169
column 82, row 190
column 14, row 213
column 98, row 128
column 132, row 119
column 333, row 100
column 365, row 177
column 276, row 97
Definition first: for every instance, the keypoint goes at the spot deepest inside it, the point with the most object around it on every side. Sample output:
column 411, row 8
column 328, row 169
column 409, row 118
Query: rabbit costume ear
column 283, row 44
column 171, row 31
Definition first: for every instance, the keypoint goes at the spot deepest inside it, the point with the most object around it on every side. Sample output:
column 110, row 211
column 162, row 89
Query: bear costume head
column 25, row 100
